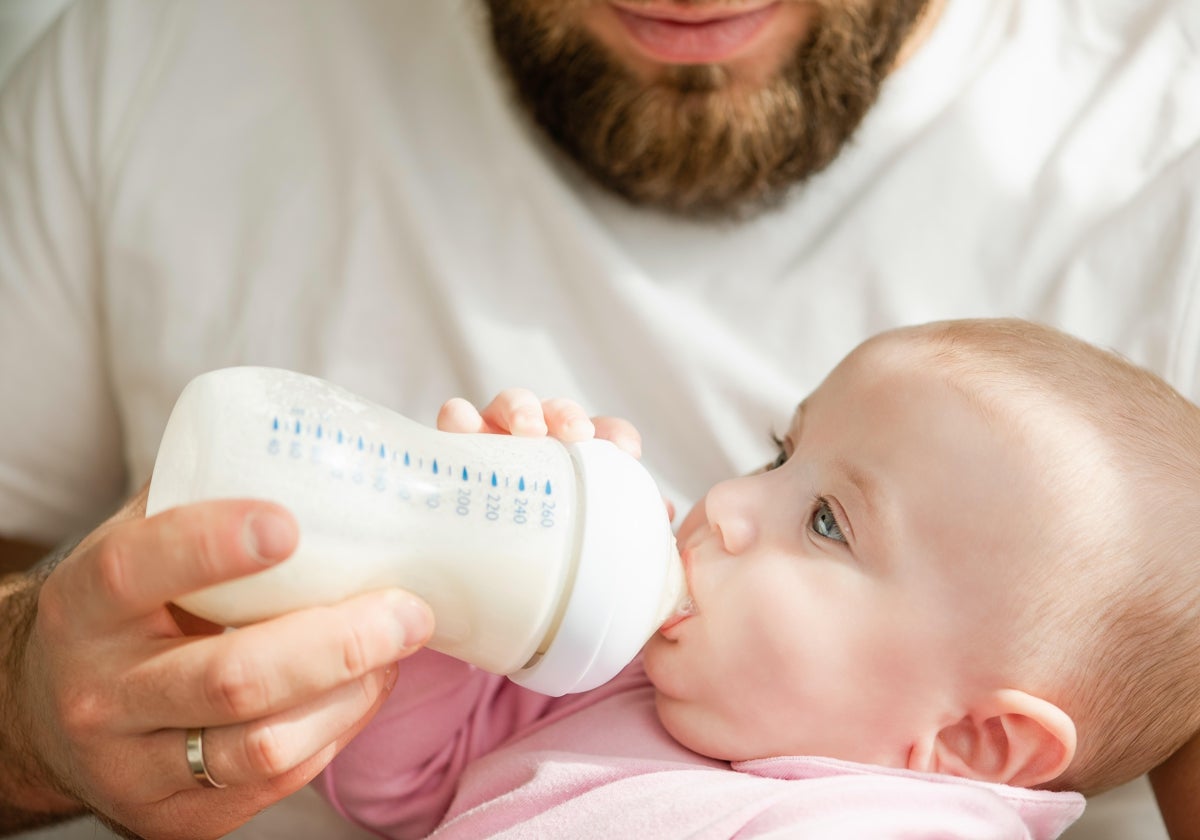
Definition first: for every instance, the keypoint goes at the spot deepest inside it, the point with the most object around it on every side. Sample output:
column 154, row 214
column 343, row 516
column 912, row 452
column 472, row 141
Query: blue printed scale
column 413, row 478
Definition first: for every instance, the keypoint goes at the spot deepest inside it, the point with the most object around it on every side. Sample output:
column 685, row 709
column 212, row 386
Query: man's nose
column 730, row 509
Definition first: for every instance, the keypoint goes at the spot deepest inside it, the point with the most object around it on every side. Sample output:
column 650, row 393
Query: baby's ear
column 1010, row 737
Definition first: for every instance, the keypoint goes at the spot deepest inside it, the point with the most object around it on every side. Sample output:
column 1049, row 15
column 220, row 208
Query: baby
column 967, row 585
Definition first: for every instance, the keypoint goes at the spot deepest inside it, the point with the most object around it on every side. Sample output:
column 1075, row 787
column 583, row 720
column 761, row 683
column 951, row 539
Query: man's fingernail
column 270, row 536
column 414, row 616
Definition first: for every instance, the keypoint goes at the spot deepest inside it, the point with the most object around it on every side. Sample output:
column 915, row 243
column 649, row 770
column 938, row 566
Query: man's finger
column 266, row 668
column 137, row 566
column 269, row 747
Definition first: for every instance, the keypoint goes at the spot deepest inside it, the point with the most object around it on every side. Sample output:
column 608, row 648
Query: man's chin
column 720, row 140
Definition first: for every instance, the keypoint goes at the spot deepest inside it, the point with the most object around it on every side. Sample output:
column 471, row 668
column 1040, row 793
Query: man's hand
column 102, row 682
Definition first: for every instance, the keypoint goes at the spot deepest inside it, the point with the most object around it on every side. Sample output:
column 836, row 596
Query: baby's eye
column 780, row 459
column 825, row 524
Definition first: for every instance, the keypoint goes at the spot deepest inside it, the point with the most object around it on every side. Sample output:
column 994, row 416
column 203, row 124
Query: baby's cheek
column 693, row 520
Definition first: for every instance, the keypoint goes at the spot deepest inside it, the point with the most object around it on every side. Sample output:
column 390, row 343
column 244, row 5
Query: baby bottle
column 549, row 562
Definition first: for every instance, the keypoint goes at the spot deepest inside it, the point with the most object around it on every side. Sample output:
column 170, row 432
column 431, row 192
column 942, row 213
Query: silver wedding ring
column 195, row 759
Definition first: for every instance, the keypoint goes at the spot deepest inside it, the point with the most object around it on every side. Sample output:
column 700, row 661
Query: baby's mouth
column 686, row 610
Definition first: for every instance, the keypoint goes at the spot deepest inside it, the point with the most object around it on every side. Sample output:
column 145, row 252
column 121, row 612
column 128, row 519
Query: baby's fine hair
column 1123, row 654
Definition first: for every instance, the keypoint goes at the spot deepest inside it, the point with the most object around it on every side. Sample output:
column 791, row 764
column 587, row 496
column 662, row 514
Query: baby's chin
column 692, row 733
column 667, row 711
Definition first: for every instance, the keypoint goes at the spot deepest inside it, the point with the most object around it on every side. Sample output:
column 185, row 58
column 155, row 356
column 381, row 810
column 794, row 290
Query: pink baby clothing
column 462, row 754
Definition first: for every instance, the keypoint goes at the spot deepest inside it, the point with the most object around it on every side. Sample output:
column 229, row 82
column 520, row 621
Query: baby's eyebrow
column 798, row 419
column 866, row 484
column 862, row 480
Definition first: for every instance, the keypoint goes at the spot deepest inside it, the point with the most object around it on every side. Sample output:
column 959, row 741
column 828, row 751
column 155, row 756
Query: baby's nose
column 730, row 514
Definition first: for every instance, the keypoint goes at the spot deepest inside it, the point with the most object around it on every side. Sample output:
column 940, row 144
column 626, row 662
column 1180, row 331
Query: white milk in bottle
column 549, row 562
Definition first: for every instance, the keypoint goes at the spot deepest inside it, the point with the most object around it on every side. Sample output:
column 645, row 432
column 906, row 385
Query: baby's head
column 978, row 558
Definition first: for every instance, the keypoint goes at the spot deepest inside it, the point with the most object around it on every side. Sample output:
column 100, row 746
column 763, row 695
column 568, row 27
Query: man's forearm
column 28, row 796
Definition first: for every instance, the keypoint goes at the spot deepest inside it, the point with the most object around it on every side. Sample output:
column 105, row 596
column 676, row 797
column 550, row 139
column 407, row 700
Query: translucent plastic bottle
column 552, row 563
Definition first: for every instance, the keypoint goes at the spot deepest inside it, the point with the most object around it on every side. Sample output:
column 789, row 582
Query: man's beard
column 689, row 142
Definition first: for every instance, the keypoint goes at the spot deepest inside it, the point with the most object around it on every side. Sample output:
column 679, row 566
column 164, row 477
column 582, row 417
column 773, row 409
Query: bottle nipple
column 676, row 600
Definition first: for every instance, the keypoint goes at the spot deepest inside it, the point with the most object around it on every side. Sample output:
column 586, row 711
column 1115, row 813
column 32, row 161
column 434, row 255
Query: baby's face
column 848, row 598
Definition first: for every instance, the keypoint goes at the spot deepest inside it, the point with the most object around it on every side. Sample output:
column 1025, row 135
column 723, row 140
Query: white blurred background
column 21, row 21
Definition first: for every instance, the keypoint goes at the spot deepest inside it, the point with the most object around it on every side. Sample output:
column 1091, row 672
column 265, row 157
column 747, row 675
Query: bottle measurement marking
column 405, row 457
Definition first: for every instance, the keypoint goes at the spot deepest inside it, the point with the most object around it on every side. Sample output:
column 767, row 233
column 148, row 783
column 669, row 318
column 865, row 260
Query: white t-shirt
column 345, row 189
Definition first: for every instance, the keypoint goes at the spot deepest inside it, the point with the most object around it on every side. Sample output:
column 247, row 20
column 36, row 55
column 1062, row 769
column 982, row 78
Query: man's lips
column 672, row 34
